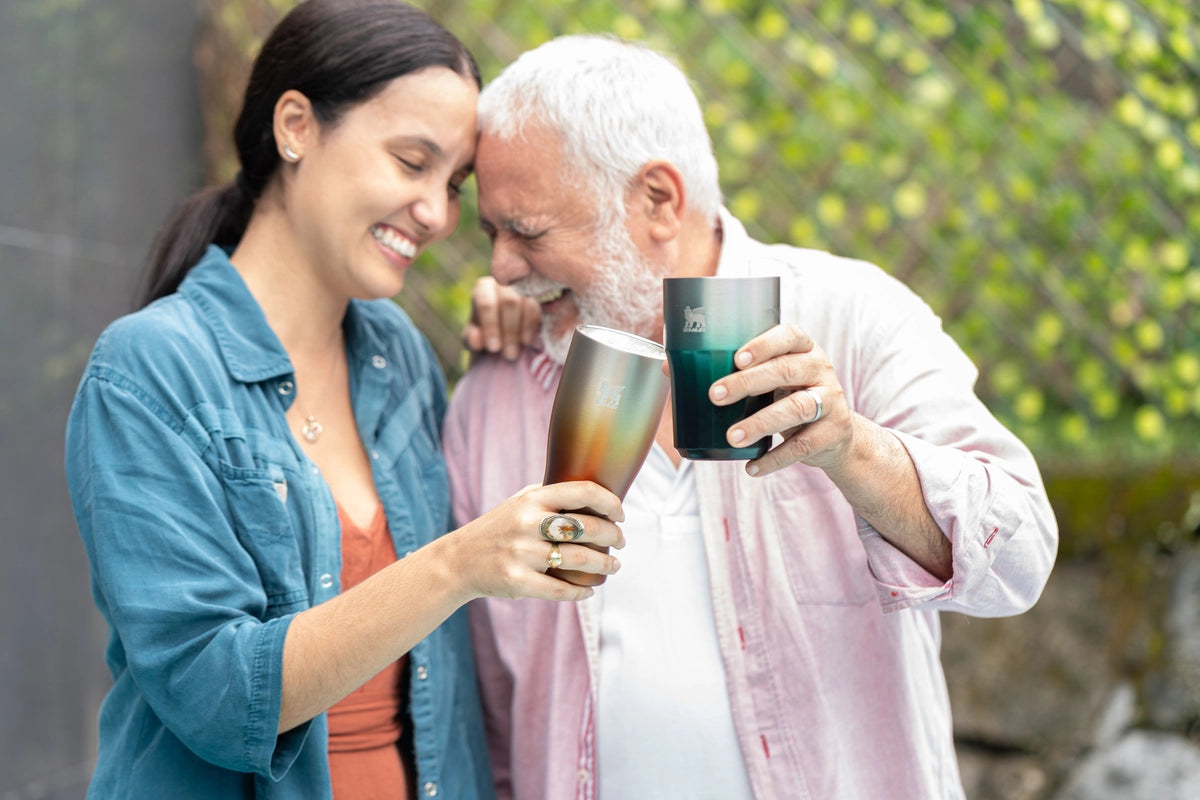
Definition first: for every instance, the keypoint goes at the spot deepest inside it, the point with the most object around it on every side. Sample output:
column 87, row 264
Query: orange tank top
column 365, row 761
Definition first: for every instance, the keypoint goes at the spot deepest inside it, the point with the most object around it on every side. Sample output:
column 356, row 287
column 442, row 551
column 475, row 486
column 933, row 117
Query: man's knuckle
column 797, row 447
column 795, row 405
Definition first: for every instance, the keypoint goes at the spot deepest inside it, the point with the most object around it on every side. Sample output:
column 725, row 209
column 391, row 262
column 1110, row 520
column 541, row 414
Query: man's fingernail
column 719, row 392
column 752, row 469
column 736, row 435
column 742, row 359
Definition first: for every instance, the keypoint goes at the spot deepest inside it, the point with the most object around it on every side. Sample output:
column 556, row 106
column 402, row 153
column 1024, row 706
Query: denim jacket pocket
column 257, row 501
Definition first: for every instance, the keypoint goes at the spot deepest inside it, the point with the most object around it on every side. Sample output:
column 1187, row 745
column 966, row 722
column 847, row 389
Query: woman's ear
column 295, row 125
column 659, row 200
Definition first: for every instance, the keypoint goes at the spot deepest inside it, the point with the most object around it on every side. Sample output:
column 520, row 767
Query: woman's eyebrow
column 422, row 141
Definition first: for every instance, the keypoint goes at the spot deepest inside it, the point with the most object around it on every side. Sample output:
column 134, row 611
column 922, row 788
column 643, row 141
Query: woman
column 246, row 449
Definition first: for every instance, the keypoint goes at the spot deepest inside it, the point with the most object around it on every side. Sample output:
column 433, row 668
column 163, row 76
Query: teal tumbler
column 706, row 320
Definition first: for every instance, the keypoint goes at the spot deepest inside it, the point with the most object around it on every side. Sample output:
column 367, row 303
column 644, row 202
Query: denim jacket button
column 431, row 789
column 326, row 581
column 422, row 672
column 379, row 362
column 286, row 387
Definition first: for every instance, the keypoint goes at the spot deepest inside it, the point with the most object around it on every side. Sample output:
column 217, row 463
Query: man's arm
column 868, row 464
column 880, row 482
column 964, row 482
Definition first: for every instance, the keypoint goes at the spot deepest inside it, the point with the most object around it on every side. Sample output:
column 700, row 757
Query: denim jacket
column 207, row 529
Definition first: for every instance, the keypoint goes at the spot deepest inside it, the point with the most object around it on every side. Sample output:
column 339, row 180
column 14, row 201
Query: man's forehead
column 509, row 203
column 532, row 154
column 515, row 183
column 519, row 147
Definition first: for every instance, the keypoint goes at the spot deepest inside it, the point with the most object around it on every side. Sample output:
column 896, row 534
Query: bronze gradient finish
column 607, row 409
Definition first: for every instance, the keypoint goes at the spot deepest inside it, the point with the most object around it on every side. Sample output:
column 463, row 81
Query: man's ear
column 659, row 200
column 295, row 125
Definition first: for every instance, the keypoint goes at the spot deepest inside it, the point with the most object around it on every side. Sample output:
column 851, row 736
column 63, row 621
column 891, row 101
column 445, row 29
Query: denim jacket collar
column 251, row 350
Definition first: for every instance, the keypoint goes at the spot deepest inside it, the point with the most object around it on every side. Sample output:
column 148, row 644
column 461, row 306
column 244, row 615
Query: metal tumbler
column 607, row 409
column 706, row 321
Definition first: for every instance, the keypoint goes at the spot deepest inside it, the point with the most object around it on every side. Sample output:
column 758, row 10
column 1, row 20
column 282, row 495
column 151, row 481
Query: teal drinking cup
column 706, row 320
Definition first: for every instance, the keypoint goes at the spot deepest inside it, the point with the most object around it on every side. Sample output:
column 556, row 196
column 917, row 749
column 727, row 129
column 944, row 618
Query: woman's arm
column 333, row 648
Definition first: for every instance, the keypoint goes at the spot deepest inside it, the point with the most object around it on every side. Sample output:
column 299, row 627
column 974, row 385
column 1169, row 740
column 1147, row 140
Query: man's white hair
column 616, row 106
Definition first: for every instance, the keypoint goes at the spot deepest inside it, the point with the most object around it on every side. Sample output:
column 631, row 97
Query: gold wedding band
column 554, row 560
column 561, row 528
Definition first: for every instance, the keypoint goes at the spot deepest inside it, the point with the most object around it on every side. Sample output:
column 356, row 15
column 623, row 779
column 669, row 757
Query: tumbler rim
column 650, row 348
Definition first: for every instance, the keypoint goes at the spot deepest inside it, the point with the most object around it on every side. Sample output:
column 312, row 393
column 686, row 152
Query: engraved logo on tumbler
column 693, row 319
column 608, row 396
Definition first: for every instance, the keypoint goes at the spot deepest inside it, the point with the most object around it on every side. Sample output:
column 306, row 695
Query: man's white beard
column 626, row 293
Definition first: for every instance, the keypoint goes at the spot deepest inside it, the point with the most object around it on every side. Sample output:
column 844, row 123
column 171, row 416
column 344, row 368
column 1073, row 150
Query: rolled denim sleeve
column 183, row 595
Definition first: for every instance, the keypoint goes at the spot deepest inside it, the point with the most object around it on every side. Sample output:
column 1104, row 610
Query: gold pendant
column 312, row 429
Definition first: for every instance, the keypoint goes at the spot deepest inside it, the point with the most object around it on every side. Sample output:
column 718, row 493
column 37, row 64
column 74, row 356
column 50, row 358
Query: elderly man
column 773, row 631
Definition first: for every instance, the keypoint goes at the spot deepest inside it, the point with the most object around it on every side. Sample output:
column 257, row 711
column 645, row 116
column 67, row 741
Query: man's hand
column 786, row 362
column 501, row 320
column 866, row 462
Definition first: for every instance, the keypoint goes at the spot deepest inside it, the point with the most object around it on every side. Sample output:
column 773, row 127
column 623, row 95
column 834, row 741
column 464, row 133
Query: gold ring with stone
column 554, row 560
column 561, row 528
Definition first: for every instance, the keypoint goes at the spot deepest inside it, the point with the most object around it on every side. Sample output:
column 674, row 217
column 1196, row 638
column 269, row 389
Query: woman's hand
column 503, row 552
column 336, row 646
column 502, row 320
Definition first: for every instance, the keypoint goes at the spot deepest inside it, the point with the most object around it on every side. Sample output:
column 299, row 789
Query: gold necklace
column 311, row 429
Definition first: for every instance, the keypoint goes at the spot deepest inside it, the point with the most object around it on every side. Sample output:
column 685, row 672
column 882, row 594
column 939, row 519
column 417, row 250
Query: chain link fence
column 1031, row 168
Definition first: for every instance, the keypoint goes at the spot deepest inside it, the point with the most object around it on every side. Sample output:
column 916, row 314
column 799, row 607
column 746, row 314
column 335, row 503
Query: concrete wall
column 99, row 137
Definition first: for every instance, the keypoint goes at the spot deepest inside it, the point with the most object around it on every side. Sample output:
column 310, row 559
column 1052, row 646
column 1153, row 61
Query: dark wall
column 99, row 137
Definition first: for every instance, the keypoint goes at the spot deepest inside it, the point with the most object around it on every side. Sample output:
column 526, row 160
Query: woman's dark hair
column 337, row 53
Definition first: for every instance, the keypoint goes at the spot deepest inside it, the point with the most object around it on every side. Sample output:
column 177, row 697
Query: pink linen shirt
column 830, row 637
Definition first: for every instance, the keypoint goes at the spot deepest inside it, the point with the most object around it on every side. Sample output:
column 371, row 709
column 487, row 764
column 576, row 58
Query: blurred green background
column 1031, row 168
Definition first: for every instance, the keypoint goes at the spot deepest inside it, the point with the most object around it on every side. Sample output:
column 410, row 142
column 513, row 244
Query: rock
column 1118, row 715
column 1143, row 765
column 1172, row 693
column 1037, row 682
column 990, row 776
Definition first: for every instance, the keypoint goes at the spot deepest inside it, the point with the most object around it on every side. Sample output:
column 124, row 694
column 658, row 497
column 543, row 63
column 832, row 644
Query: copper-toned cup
column 607, row 409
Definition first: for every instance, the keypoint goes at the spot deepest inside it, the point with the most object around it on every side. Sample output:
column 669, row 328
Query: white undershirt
column 664, row 728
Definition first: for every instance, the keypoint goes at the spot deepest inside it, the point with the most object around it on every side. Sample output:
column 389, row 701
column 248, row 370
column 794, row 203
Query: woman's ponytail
column 216, row 215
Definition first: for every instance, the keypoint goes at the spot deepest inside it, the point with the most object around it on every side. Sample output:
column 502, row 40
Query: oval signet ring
column 561, row 528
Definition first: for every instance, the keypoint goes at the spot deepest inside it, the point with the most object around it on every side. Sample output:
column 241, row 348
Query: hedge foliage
column 1031, row 168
